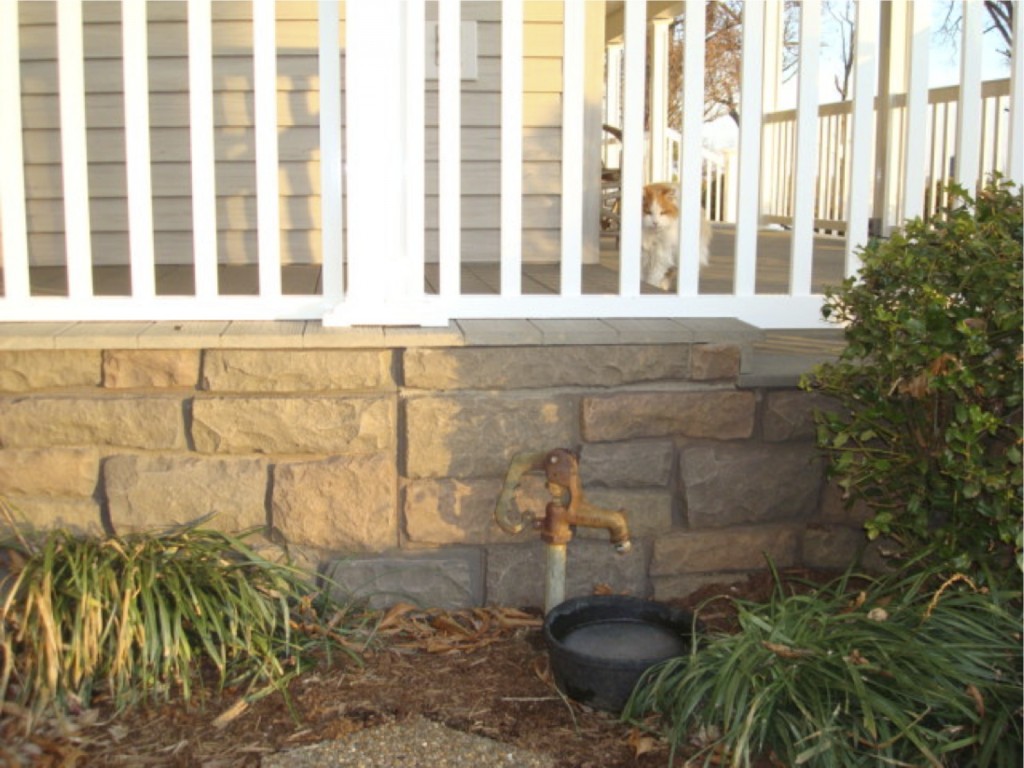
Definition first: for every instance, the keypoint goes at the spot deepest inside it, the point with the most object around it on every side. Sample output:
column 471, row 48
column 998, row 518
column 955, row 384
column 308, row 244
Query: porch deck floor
column 483, row 278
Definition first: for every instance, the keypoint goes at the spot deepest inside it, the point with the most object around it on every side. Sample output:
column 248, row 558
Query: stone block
column 27, row 370
column 293, row 425
column 835, row 509
column 516, row 572
column 833, row 546
column 448, row 511
column 311, row 370
column 636, row 464
column 552, row 366
column 718, row 414
column 789, row 414
column 478, row 435
column 43, row 513
column 49, row 472
column 147, row 492
column 736, row 483
column 714, row 362
column 735, row 549
column 648, row 511
column 345, row 503
column 450, row 578
column 148, row 368
column 148, row 423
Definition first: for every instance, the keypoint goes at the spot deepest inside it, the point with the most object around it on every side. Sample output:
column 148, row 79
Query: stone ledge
column 310, row 334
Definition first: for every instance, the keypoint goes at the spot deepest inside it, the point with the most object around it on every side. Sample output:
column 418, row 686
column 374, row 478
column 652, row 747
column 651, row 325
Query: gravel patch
column 414, row 743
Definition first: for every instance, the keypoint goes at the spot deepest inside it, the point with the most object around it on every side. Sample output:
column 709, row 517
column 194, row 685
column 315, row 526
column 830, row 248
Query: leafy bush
column 929, row 425
column 909, row 671
column 142, row 616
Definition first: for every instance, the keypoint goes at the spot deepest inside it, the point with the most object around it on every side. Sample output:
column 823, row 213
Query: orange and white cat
column 660, row 243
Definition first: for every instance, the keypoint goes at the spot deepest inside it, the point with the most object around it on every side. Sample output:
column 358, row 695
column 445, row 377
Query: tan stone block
column 713, row 362
column 27, row 370
column 146, row 492
column 45, row 513
column 733, row 549
column 789, row 414
column 552, row 366
column 346, row 503
column 719, row 414
column 150, row 423
column 440, row 512
column 145, row 368
column 478, row 435
column 313, row 370
column 49, row 472
column 293, row 425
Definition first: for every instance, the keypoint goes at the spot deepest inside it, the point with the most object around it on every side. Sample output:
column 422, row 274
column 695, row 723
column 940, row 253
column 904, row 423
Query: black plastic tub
column 600, row 645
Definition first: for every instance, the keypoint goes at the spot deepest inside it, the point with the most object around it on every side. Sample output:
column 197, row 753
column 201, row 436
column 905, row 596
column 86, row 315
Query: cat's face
column 660, row 209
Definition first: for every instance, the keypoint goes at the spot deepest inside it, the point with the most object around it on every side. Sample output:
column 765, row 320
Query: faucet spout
column 612, row 520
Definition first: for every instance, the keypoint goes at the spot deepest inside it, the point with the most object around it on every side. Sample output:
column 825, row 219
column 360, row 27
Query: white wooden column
column 381, row 288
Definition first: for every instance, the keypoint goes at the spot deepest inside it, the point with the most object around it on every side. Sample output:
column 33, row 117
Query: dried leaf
column 977, row 698
column 640, row 742
column 395, row 612
column 786, row 652
column 231, row 714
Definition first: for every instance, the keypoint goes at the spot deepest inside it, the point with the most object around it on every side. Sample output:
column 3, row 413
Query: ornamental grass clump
column 909, row 670
column 154, row 616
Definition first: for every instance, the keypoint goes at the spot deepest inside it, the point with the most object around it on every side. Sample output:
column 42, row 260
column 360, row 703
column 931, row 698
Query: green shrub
column 928, row 427
column 143, row 616
column 908, row 671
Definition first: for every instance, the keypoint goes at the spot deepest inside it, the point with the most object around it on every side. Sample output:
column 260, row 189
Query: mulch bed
column 483, row 671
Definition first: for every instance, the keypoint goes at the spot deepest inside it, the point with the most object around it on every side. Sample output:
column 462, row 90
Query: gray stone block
column 721, row 414
column 636, row 464
column 446, row 578
column 737, row 483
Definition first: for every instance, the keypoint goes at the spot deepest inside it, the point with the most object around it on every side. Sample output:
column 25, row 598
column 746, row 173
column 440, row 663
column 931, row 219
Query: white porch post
column 613, row 88
column 379, row 289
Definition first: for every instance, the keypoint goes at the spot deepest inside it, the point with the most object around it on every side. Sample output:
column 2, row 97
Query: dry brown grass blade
column 230, row 714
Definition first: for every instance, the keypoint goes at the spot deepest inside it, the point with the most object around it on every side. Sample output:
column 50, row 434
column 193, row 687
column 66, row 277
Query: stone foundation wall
column 382, row 466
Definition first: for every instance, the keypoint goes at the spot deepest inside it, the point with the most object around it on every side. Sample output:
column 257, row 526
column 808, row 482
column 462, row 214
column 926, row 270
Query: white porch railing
column 380, row 193
column 833, row 169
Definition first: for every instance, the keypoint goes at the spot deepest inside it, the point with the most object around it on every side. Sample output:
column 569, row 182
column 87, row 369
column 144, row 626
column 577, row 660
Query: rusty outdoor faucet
column 568, row 508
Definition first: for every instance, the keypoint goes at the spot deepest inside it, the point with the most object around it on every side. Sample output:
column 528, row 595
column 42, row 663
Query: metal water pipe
column 567, row 509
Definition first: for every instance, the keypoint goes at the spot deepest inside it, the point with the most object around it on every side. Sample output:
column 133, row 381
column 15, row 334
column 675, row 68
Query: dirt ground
column 483, row 671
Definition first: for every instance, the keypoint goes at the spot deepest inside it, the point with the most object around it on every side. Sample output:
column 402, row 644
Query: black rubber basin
column 600, row 645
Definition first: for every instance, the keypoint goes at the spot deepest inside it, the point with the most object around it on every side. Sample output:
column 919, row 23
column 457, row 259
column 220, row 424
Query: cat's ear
column 671, row 192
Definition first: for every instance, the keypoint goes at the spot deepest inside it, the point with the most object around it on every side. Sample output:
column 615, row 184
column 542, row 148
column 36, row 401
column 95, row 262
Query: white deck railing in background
column 371, row 174
column 989, row 142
